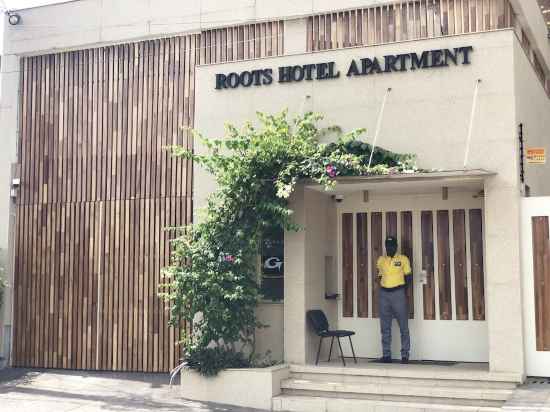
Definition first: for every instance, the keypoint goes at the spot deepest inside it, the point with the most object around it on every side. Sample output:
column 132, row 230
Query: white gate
column 444, row 238
column 535, row 263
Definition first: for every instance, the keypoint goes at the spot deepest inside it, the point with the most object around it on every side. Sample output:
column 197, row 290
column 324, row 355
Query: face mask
column 391, row 250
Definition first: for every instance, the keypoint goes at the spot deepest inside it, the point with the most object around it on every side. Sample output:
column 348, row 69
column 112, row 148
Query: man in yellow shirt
column 394, row 276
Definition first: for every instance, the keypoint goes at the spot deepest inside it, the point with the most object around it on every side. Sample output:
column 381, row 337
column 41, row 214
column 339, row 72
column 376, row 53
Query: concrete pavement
column 534, row 396
column 23, row 390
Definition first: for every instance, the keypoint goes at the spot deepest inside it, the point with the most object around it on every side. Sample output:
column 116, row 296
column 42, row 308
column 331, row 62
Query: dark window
column 272, row 262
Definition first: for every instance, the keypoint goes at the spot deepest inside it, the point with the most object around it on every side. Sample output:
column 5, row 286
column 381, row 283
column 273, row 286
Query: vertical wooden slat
column 94, row 124
column 362, row 266
column 541, row 272
column 426, row 228
column 391, row 224
column 476, row 259
column 309, row 34
column 347, row 264
column 407, row 250
column 444, row 265
column 376, row 249
column 460, row 265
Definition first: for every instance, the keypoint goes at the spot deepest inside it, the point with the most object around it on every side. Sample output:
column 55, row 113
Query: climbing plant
column 212, row 282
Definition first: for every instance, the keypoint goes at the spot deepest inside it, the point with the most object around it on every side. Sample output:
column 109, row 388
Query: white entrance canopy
column 423, row 182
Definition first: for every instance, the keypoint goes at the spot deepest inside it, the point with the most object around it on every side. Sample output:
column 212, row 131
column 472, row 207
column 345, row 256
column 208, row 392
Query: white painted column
column 503, row 276
column 9, row 115
column 294, row 299
column 305, row 253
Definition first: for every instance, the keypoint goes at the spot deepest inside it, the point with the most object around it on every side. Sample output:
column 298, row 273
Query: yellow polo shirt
column 393, row 270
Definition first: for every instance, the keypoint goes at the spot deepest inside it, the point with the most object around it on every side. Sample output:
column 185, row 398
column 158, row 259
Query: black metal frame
column 330, row 351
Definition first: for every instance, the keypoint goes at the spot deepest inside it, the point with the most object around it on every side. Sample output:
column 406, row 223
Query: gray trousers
column 393, row 304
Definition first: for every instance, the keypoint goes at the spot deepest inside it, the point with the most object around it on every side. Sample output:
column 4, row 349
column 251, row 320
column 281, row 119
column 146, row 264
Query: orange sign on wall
column 536, row 155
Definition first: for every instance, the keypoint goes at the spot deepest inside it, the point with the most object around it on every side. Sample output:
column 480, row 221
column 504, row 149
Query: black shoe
column 386, row 359
column 404, row 361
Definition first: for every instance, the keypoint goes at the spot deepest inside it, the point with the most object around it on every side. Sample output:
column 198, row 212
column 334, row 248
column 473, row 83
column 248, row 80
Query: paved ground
column 534, row 396
column 23, row 390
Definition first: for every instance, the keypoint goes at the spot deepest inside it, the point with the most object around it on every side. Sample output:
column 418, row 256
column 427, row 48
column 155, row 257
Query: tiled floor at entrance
column 429, row 370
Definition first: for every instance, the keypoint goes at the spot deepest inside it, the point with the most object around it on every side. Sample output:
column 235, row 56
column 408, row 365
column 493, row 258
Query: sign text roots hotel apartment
column 92, row 91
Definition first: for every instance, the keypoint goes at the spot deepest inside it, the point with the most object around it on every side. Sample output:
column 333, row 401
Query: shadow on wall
column 3, row 278
column 3, row 287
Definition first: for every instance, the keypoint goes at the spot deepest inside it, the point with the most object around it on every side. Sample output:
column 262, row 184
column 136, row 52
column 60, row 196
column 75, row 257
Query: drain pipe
column 471, row 125
column 378, row 125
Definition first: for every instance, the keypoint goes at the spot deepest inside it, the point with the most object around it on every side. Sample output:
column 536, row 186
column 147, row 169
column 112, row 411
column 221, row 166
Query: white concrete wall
column 305, row 282
column 9, row 89
column 530, row 17
column 1, row 48
column 427, row 113
column 533, row 110
column 89, row 22
column 250, row 388
column 270, row 338
column 320, row 212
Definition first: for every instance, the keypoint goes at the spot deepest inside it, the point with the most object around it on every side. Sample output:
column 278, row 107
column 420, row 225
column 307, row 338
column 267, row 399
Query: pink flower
column 331, row 171
column 229, row 258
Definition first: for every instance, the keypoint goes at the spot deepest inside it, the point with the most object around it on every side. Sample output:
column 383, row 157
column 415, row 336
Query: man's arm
column 408, row 272
column 379, row 270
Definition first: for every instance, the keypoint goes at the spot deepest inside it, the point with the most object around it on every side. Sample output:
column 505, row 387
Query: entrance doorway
column 443, row 238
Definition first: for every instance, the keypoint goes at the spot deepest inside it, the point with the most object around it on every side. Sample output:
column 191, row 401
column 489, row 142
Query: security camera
column 338, row 198
column 14, row 19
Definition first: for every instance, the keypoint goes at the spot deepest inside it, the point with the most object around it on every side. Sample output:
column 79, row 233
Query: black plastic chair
column 320, row 325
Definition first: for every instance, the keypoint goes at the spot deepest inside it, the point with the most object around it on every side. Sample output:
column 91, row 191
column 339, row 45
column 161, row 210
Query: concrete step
column 493, row 397
column 385, row 380
column 292, row 403
column 464, row 372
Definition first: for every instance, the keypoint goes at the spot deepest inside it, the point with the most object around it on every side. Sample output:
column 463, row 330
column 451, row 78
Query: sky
column 20, row 4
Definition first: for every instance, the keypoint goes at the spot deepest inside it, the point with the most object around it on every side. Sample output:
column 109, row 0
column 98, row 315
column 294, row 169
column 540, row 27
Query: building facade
column 92, row 92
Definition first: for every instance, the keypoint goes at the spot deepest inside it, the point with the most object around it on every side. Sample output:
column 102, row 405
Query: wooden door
column 535, row 241
column 444, row 242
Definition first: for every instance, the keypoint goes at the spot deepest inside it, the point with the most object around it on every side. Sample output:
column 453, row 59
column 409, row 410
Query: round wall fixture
column 14, row 19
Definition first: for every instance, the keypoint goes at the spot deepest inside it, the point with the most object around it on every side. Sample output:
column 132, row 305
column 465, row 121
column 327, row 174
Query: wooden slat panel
column 426, row 226
column 405, row 20
column 541, row 271
column 347, row 264
column 444, row 266
column 376, row 250
column 476, row 259
column 391, row 224
column 97, row 185
column 407, row 250
column 362, row 266
column 460, row 265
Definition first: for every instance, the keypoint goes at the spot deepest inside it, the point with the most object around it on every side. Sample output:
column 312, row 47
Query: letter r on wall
column 220, row 81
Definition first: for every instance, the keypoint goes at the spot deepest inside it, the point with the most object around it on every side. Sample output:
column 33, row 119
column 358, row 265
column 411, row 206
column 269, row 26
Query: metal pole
column 302, row 107
column 378, row 125
column 521, row 155
column 471, row 126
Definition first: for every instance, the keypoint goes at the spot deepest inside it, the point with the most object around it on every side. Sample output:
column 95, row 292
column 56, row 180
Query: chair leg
column 352, row 351
column 319, row 351
column 330, row 351
column 341, row 352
